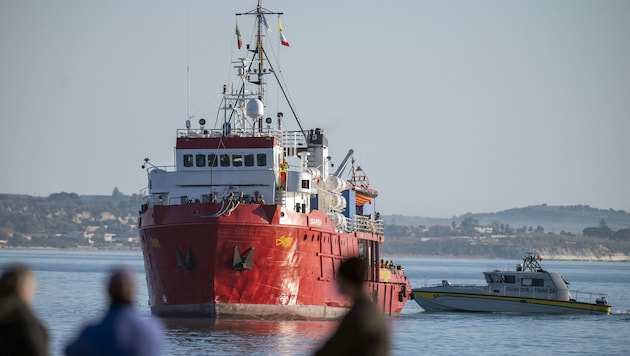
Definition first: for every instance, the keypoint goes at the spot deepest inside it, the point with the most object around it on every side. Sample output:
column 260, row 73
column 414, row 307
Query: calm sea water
column 71, row 292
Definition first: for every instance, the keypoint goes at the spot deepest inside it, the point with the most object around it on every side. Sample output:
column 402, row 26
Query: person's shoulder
column 368, row 313
column 142, row 321
column 92, row 329
column 9, row 308
column 91, row 333
column 366, row 305
column 13, row 310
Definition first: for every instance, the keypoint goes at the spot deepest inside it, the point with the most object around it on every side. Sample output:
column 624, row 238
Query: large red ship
column 251, row 221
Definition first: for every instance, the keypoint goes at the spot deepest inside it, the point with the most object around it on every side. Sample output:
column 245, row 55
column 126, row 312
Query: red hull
column 290, row 263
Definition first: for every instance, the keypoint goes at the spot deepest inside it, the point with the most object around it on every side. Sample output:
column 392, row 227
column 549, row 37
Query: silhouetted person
column 363, row 331
column 21, row 333
column 122, row 331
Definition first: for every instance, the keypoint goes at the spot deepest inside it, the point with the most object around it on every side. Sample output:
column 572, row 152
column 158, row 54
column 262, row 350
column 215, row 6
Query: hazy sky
column 450, row 106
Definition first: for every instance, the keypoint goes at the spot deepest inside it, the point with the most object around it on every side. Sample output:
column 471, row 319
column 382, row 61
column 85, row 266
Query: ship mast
column 259, row 48
column 259, row 52
column 260, row 55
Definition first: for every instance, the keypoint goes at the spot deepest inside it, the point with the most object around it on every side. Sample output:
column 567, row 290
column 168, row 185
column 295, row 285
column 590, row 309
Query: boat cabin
column 529, row 280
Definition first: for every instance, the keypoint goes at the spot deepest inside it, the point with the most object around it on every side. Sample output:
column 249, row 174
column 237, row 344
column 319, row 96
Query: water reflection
column 233, row 336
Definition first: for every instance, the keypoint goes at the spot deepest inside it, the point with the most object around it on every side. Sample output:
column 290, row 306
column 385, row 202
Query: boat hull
column 260, row 261
column 249, row 311
column 433, row 301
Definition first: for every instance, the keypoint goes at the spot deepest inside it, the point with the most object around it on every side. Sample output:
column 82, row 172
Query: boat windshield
column 494, row 278
column 500, row 278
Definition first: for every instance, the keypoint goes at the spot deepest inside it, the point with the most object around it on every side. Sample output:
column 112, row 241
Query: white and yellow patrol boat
column 528, row 289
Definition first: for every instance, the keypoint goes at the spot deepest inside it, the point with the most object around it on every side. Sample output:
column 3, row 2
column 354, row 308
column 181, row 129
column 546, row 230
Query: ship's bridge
column 289, row 168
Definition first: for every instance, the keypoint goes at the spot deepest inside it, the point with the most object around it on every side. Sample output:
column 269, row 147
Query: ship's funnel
column 255, row 109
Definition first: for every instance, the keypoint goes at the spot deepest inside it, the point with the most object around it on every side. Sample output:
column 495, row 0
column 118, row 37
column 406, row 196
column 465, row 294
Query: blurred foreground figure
column 363, row 331
column 122, row 331
column 21, row 333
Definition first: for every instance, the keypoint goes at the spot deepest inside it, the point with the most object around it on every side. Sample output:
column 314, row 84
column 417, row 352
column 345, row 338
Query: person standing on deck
column 284, row 167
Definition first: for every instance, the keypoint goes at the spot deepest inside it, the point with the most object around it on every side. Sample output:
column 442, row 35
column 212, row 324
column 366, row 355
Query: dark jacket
column 21, row 333
column 363, row 331
column 122, row 332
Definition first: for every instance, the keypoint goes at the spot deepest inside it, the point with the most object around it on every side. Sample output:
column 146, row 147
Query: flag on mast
column 283, row 39
column 265, row 23
column 239, row 39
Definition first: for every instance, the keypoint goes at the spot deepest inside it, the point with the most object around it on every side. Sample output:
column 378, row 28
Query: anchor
column 184, row 263
column 243, row 262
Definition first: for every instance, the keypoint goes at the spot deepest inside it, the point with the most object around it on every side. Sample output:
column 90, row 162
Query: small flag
column 239, row 40
column 265, row 23
column 283, row 39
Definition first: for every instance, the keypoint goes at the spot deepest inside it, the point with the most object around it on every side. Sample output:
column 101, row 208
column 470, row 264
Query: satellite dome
column 255, row 109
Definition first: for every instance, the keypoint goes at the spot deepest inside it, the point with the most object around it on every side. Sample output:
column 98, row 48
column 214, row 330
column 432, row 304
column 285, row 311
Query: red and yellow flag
column 283, row 39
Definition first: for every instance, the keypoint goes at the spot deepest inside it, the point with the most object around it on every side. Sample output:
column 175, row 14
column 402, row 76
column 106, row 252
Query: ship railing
column 171, row 168
column 146, row 191
column 589, row 297
column 212, row 133
column 366, row 224
column 447, row 283
column 459, row 287
column 293, row 142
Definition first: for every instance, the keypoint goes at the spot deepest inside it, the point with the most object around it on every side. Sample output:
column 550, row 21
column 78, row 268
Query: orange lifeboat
column 364, row 195
column 361, row 185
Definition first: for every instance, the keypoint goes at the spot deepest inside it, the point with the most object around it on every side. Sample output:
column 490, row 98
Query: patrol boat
column 251, row 221
column 528, row 289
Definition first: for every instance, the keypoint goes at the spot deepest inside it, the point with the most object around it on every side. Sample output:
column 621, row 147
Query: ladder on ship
column 281, row 197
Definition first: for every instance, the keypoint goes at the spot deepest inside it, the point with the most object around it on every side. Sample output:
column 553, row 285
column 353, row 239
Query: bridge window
column 237, row 160
column 188, row 161
column 200, row 160
column 509, row 279
column 212, row 160
column 535, row 282
column 225, row 160
column 495, row 278
column 249, row 160
column 261, row 160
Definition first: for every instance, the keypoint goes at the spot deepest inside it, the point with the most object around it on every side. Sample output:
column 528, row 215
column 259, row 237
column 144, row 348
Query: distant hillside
column 572, row 219
column 67, row 220
column 557, row 232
